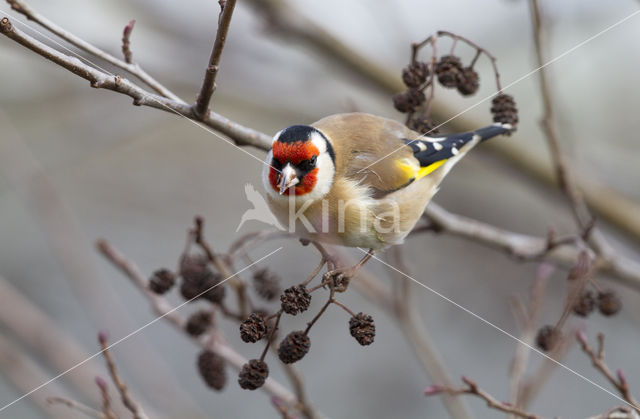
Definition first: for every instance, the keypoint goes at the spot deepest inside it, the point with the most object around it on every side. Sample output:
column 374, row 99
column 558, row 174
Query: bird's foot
column 339, row 278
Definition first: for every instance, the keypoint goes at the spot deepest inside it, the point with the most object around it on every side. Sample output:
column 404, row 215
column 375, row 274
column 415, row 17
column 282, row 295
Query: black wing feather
column 437, row 149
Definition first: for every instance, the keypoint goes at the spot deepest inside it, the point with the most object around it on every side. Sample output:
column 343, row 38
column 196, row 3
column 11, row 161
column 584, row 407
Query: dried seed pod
column 199, row 322
column 266, row 284
column 423, row 125
column 295, row 299
column 253, row 374
column 409, row 100
column 254, row 328
column 205, row 285
column 585, row 304
column 362, row 328
column 215, row 290
column 447, row 70
column 212, row 369
column 609, row 303
column 504, row 110
column 194, row 267
column 415, row 74
column 161, row 281
column 294, row 347
column 468, row 81
column 547, row 338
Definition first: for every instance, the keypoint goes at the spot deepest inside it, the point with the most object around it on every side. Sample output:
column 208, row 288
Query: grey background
column 78, row 164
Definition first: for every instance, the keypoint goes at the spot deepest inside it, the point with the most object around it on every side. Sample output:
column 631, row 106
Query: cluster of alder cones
column 199, row 281
column 607, row 302
column 451, row 73
column 296, row 344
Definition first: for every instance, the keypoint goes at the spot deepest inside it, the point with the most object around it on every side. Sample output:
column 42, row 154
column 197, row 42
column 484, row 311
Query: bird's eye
column 308, row 165
column 276, row 164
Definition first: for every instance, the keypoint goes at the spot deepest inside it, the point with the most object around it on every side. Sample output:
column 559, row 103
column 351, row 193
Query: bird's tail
column 493, row 131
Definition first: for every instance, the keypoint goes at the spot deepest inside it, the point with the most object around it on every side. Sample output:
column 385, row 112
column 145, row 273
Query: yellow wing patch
column 411, row 171
column 424, row 171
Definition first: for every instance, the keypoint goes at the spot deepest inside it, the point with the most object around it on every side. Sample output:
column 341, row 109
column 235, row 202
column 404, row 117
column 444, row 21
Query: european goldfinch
column 359, row 180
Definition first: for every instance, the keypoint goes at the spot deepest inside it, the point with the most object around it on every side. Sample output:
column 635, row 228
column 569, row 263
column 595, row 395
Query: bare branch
column 133, row 68
column 531, row 318
column 525, row 247
column 406, row 314
column 618, row 380
column 126, row 42
column 473, row 389
column 162, row 308
column 127, row 400
column 74, row 405
column 563, row 173
column 106, row 398
column 209, row 82
column 239, row 134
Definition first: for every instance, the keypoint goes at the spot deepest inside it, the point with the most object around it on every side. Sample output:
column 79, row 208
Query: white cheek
column 265, row 174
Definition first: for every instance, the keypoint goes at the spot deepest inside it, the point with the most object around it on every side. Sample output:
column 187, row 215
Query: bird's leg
column 339, row 278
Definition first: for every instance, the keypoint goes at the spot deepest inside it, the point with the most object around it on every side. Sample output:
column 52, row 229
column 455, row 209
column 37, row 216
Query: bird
column 359, row 180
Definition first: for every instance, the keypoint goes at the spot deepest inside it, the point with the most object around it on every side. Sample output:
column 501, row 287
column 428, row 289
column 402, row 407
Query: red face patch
column 295, row 153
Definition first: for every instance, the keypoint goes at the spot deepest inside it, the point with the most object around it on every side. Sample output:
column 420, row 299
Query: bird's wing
column 385, row 155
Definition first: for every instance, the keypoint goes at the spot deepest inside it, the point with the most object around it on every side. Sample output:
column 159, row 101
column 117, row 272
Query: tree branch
column 473, row 389
column 209, row 82
column 239, row 134
column 131, row 67
column 624, row 270
column 162, row 308
column 618, row 380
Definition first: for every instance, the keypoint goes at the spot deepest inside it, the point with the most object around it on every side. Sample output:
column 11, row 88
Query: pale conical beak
column 288, row 178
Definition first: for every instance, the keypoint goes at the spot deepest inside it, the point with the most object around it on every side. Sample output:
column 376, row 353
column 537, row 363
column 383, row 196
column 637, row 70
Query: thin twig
column 127, row 400
column 561, row 167
column 532, row 315
column 236, row 283
column 74, row 405
column 126, row 41
column 473, row 389
column 405, row 312
column 162, row 308
column 209, row 83
column 107, row 412
column 618, row 380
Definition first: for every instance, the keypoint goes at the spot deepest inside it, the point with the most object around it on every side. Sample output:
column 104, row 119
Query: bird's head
column 301, row 163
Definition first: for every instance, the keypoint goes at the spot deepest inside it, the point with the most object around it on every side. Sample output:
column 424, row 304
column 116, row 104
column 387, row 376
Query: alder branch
column 525, row 247
column 127, row 400
column 74, row 405
column 473, row 389
column 131, row 67
column 126, row 42
column 619, row 380
column 530, row 317
column 209, row 82
column 408, row 318
column 563, row 173
column 161, row 307
column 239, row 134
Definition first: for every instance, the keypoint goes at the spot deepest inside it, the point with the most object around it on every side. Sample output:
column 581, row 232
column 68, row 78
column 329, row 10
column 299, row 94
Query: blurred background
column 78, row 164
